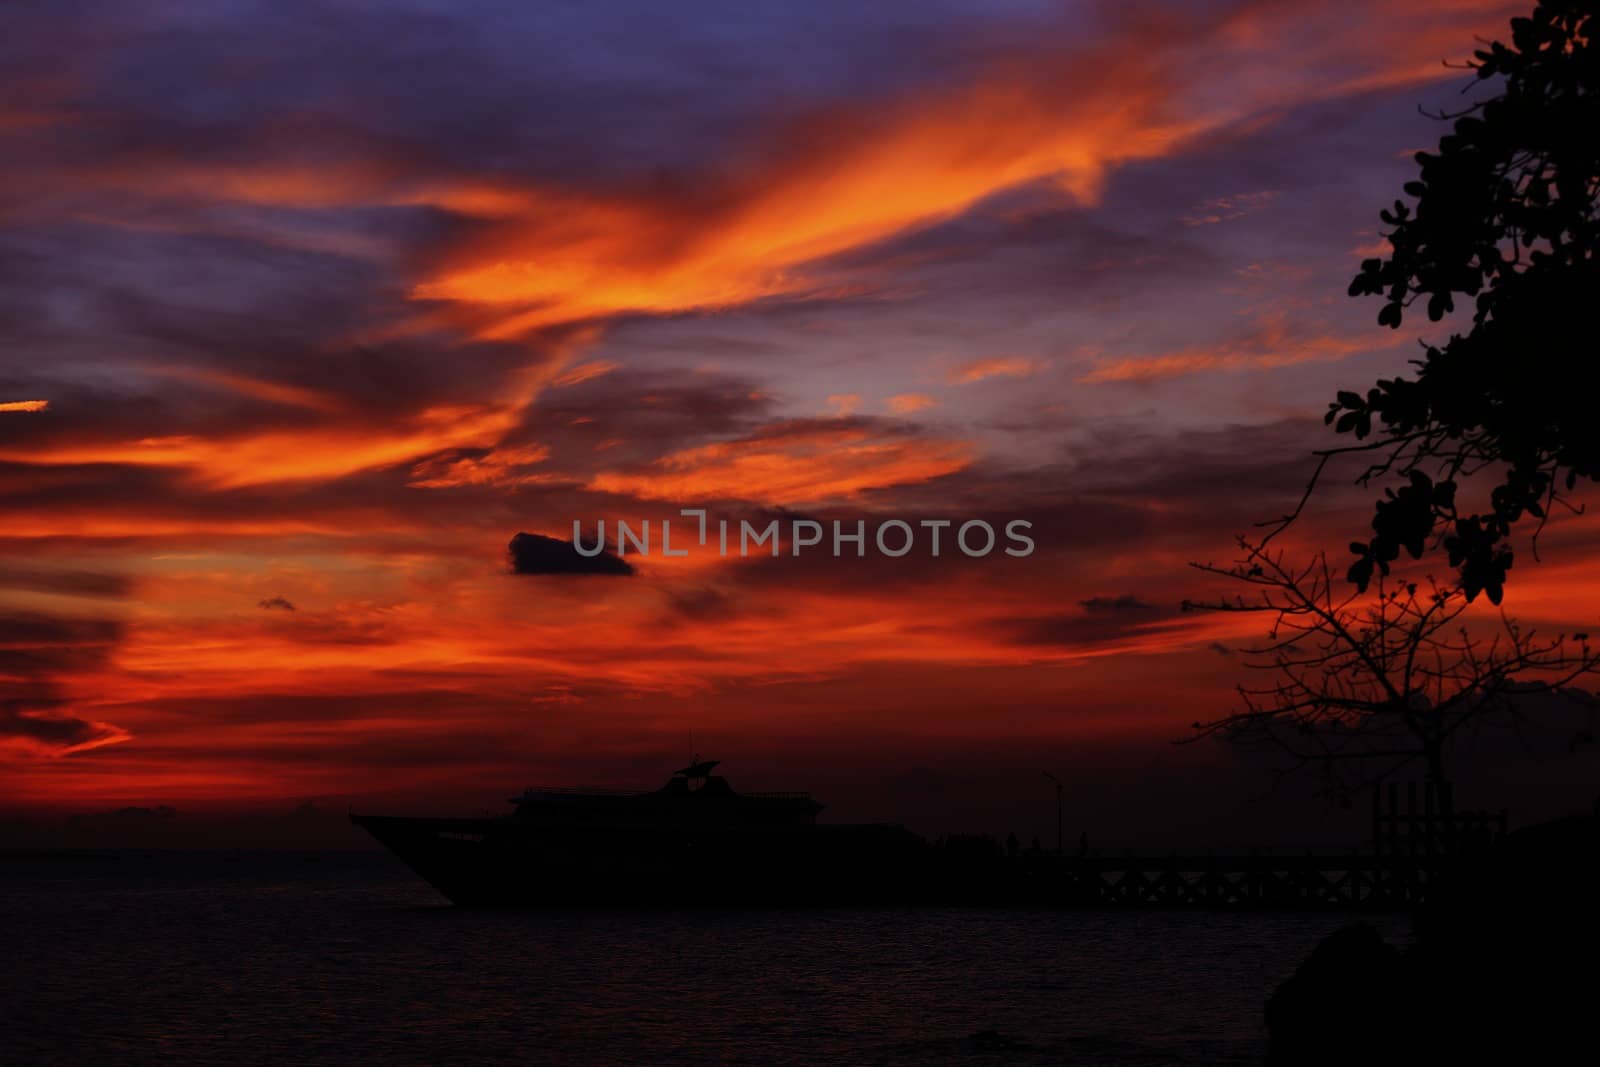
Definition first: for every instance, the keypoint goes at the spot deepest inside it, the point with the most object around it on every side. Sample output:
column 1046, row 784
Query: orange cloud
column 1068, row 112
column 311, row 454
column 1272, row 345
column 584, row 372
column 504, row 467
column 24, row 405
column 911, row 403
column 123, row 522
column 333, row 448
column 273, row 392
column 843, row 179
column 1375, row 248
column 799, row 464
column 850, row 177
column 994, row 367
column 844, row 403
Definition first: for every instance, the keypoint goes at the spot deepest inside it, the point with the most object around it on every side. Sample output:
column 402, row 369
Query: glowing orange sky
column 293, row 361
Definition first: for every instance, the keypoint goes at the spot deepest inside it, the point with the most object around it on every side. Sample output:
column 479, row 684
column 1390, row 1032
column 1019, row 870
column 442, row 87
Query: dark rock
column 1505, row 968
column 1341, row 1006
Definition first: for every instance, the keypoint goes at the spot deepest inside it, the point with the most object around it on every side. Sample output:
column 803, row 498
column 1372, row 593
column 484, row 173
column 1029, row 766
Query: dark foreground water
column 262, row 958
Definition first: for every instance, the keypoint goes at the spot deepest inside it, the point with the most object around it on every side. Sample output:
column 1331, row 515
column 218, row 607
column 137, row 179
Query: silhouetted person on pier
column 1013, row 846
column 1083, row 844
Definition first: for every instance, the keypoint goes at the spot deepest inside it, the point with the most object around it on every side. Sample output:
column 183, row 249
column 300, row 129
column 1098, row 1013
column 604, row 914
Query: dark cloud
column 1103, row 620
column 702, row 603
column 39, row 653
column 48, row 660
column 538, row 554
column 637, row 415
column 426, row 88
column 49, row 728
column 353, row 630
column 1125, row 604
column 265, row 313
column 1072, row 631
column 63, row 582
column 275, row 602
column 35, row 629
column 37, row 646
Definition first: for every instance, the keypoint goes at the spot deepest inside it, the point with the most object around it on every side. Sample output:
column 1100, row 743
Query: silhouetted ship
column 694, row 840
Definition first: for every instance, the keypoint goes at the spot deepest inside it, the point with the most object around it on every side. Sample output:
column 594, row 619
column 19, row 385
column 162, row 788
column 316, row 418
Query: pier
column 1359, row 881
column 1417, row 837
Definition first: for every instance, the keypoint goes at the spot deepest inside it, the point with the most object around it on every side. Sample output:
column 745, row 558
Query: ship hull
column 504, row 862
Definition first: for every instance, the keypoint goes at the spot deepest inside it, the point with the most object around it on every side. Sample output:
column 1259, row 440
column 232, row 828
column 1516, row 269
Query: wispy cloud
column 585, row 372
column 1228, row 208
column 1269, row 346
column 789, row 464
column 910, row 403
column 844, row 403
column 977, row 370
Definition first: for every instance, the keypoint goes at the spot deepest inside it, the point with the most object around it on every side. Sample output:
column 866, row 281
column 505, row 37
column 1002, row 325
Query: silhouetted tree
column 1361, row 683
column 1504, row 213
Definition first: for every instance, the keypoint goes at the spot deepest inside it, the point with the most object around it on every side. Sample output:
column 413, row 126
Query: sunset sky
column 309, row 307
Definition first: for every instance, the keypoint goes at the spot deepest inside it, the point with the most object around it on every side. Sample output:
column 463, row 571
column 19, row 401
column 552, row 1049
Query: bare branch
column 1364, row 683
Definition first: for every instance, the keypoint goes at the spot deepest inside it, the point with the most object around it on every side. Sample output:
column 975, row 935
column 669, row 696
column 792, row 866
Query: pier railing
column 1420, row 819
column 1356, row 881
column 1418, row 840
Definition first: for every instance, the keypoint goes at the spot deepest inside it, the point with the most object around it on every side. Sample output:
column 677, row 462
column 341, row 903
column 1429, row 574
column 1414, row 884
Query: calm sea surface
column 269, row 958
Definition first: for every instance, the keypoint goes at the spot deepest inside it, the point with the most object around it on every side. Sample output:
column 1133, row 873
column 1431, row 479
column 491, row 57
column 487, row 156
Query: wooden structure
column 1417, row 837
column 1432, row 828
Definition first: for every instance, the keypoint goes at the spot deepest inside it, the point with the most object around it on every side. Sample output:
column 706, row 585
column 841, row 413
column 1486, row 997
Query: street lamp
column 1057, row 783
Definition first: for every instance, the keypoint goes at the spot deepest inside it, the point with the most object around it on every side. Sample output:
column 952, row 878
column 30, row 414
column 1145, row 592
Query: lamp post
column 1057, row 783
